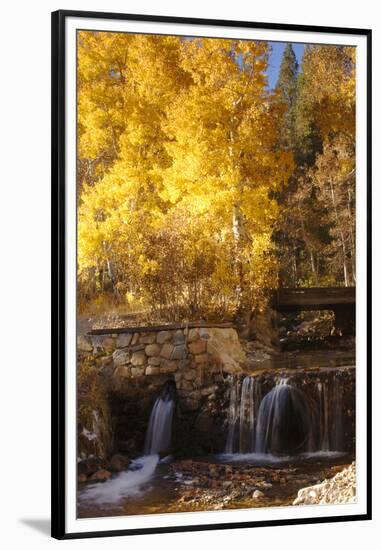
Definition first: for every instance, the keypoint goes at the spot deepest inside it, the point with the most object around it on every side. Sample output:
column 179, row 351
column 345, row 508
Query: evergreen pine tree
column 287, row 89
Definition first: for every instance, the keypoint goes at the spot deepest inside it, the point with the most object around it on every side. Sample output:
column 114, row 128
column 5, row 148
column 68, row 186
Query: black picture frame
column 58, row 318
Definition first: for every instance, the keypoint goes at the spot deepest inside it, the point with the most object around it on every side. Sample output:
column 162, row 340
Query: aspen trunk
column 238, row 235
column 343, row 246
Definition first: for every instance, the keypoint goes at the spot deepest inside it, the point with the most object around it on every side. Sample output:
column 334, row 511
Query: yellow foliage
column 177, row 165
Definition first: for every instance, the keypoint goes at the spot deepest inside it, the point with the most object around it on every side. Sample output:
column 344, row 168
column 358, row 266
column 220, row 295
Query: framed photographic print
column 211, row 274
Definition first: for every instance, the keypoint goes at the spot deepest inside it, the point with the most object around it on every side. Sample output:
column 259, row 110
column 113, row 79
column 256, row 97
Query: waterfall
column 288, row 420
column 330, row 410
column 159, row 432
column 141, row 470
column 243, row 407
column 323, row 417
column 284, row 420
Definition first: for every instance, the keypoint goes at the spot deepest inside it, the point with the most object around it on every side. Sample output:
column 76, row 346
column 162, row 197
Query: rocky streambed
column 224, row 486
column 215, row 483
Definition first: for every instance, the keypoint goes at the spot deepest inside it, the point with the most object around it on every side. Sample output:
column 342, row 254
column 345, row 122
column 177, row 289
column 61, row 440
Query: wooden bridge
column 301, row 299
column 340, row 300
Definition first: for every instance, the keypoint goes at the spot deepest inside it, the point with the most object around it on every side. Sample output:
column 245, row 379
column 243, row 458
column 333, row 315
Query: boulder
column 225, row 348
column 101, row 475
column 119, row 463
column 154, row 361
column 257, row 494
column 89, row 466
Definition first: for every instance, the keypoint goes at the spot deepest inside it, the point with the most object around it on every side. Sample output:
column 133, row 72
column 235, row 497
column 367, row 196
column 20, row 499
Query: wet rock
column 119, row 463
column 89, row 466
column 101, row 475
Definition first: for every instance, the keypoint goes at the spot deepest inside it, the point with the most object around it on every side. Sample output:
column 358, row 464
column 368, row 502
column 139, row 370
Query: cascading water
column 142, row 469
column 242, row 412
column 284, row 420
column 330, row 396
column 159, row 431
column 288, row 420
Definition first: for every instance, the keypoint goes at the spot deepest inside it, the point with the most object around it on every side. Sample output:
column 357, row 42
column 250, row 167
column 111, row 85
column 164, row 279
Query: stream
column 280, row 437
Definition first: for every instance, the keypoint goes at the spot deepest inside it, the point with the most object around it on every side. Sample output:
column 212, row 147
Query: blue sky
column 276, row 59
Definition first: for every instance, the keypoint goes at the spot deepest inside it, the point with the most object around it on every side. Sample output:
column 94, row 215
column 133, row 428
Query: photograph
column 211, row 172
column 216, row 231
